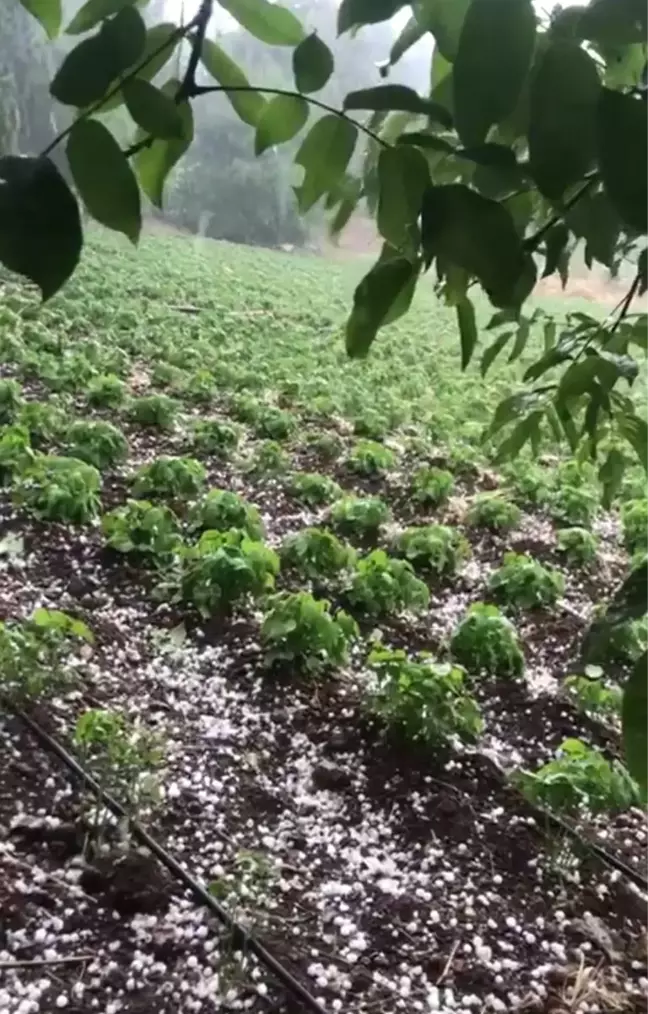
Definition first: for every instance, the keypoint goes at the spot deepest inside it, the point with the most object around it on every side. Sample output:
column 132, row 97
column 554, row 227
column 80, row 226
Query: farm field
column 191, row 466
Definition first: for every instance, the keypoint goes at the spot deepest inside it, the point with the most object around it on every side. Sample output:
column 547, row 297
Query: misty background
column 219, row 189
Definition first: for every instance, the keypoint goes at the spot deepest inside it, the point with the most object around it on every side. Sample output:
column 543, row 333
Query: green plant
column 434, row 548
column 154, row 410
column 590, row 693
column 369, row 458
column 268, row 459
column 59, row 489
column 383, row 585
column 524, row 583
column 485, row 641
column 313, row 489
column 10, row 401
column 327, row 446
column 579, row 778
column 360, row 516
column 142, row 527
column 578, row 545
column 574, row 506
column 624, row 644
column 106, row 391
column 221, row 509
column 43, row 420
column 494, row 511
column 634, row 519
column 245, row 408
column 224, row 568
column 15, row 452
column 316, row 554
column 209, row 436
column 274, row 424
column 431, row 486
column 176, row 478
column 32, row 655
column 197, row 388
column 371, row 424
column 423, row 698
column 124, row 758
column 97, row 443
column 300, row 628
column 529, row 484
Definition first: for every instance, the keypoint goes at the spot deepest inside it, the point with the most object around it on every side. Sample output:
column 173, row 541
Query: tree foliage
column 530, row 141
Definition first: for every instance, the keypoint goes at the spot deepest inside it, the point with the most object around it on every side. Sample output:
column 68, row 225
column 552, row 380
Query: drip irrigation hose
column 240, row 935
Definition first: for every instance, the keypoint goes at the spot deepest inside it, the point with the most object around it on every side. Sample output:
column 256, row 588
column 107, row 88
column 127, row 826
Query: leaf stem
column 531, row 243
column 180, row 33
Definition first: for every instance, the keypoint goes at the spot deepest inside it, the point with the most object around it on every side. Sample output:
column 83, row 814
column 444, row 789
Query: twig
column 448, row 964
column 531, row 243
column 73, row 959
column 202, row 18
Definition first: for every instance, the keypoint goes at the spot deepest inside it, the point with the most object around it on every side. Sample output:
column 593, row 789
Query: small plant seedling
column 359, row 516
column 141, row 527
column 423, row 698
column 32, row 655
column 43, row 421
column 209, row 436
column 524, row 583
column 485, row 641
column 313, row 489
column 438, row 549
column 97, row 443
column 10, row 401
column 156, row 411
column 245, row 408
column 579, row 546
column 15, row 452
column 592, row 695
column 106, row 391
column 573, row 506
column 431, row 487
column 316, row 554
column 176, row 478
column 59, row 489
column 269, row 459
column 529, row 484
column 494, row 511
column 382, row 585
column 579, row 778
column 328, row 446
column 299, row 628
column 124, row 758
column 368, row 457
column 370, row 424
column 634, row 520
column 274, row 424
column 623, row 643
column 220, row 509
column 197, row 388
column 224, row 568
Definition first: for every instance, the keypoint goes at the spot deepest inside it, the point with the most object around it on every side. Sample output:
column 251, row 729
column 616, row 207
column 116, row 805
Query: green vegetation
column 32, row 655
column 525, row 584
column 221, row 510
column 437, row 549
column 485, row 641
column 313, row 489
column 225, row 567
column 432, row 486
column 97, row 443
column 494, row 511
column 592, row 695
column 142, row 528
column 579, row 546
column 59, row 489
column 317, row 555
column 370, row 458
column 382, row 585
column 299, row 628
column 175, row 478
column 359, row 516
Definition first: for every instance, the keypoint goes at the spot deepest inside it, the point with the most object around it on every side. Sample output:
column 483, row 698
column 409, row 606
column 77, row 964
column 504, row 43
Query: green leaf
column 159, row 46
column 623, row 65
column 444, row 19
column 635, row 431
column 493, row 350
column 152, row 110
column 353, row 13
column 431, row 141
column 412, row 32
column 104, row 178
column 511, row 408
column 467, row 330
column 622, row 144
column 155, row 162
column 312, row 63
column 555, row 242
column 614, row 21
column 48, row 12
column 594, row 219
column 403, row 177
column 521, row 339
column 525, row 430
column 382, row 296
column 495, row 50
column 282, row 118
column 634, row 721
column 336, row 137
column 269, row 22
column 398, row 98
column 563, row 98
column 345, row 209
column 40, row 226
column 476, row 234
column 247, row 104
column 610, row 475
column 90, row 68
column 94, row 11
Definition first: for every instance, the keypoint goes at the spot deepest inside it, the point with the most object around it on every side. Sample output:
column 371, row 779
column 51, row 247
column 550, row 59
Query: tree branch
column 531, row 242
column 201, row 21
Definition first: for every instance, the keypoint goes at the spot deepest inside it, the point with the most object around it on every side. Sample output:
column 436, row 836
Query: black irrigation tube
column 287, row 980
